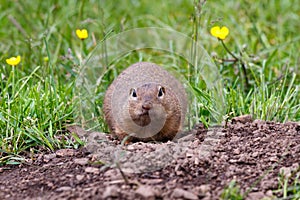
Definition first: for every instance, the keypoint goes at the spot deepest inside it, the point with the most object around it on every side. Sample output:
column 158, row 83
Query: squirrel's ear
column 161, row 91
column 132, row 93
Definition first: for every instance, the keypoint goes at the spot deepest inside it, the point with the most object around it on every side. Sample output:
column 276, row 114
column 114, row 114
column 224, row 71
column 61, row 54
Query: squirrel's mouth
column 142, row 119
column 145, row 113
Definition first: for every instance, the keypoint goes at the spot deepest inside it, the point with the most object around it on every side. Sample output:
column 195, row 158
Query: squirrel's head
column 145, row 99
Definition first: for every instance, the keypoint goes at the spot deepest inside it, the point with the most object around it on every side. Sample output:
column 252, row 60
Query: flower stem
column 13, row 81
column 241, row 62
column 225, row 47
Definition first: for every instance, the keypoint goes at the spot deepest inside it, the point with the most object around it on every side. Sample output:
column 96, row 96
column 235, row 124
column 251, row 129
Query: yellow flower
column 46, row 58
column 13, row 61
column 220, row 33
column 82, row 34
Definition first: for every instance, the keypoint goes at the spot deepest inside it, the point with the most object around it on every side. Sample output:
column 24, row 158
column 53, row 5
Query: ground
column 197, row 165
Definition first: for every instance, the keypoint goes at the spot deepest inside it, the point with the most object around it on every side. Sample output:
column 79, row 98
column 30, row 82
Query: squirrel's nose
column 147, row 105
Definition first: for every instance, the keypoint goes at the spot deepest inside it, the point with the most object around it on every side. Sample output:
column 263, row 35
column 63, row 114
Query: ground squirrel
column 146, row 103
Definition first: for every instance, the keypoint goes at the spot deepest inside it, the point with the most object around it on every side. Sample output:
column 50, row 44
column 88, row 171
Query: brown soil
column 197, row 165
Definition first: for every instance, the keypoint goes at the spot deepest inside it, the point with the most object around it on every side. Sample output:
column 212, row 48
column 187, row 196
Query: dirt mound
column 197, row 165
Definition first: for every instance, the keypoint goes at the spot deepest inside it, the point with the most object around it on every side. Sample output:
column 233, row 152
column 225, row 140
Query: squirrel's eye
column 133, row 92
column 161, row 91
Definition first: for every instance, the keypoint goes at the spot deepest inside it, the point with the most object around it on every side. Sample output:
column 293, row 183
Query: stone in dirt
column 93, row 170
column 79, row 177
column 110, row 191
column 181, row 193
column 242, row 119
column 255, row 195
column 146, row 192
column 49, row 157
column 65, row 152
column 81, row 161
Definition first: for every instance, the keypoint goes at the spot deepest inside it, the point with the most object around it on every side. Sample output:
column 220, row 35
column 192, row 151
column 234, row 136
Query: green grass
column 288, row 188
column 37, row 96
column 289, row 184
column 232, row 192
